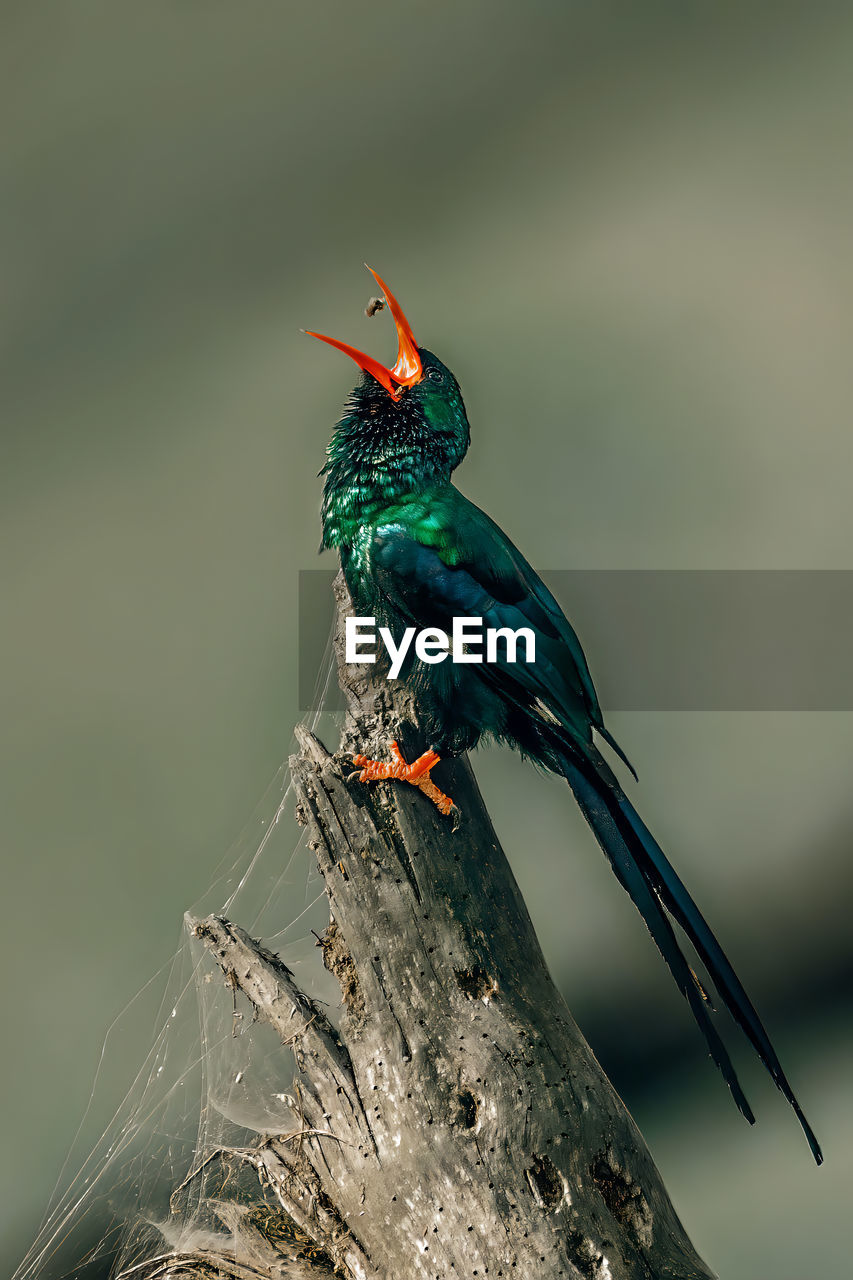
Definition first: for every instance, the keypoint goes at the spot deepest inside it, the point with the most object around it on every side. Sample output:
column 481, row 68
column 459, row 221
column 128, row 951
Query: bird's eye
column 435, row 375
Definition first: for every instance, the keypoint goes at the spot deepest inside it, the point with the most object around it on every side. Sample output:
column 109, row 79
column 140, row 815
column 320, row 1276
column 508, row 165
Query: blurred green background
column 627, row 230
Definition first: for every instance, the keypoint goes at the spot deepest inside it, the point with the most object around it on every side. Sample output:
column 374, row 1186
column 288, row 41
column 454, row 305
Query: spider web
column 171, row 1169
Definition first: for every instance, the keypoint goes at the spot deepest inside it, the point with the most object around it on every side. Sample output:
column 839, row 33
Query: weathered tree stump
column 457, row 1124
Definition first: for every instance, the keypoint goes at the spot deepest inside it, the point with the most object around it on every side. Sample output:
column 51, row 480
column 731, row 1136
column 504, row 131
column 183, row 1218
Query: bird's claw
column 417, row 773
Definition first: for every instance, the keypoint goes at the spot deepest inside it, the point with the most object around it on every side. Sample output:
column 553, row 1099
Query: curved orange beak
column 407, row 371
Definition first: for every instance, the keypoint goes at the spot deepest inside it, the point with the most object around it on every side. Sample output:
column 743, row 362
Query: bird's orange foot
column 417, row 773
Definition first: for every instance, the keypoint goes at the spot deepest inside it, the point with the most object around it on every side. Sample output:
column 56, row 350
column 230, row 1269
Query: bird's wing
column 445, row 558
column 549, row 617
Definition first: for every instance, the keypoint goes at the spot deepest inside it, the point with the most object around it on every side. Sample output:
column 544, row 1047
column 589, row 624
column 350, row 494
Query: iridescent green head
column 403, row 431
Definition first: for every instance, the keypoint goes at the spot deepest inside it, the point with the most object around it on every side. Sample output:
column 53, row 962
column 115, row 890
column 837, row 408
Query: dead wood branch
column 457, row 1123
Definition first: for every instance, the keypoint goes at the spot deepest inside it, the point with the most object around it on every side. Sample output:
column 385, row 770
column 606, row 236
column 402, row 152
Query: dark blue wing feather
column 502, row 589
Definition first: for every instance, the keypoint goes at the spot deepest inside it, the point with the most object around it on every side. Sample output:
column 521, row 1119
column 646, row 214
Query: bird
column 416, row 553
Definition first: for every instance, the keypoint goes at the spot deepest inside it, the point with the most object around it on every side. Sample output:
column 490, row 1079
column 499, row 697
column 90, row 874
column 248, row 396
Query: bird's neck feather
column 367, row 473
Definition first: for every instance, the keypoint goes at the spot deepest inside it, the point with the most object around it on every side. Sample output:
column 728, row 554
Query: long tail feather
column 664, row 879
column 649, row 906
column 643, row 869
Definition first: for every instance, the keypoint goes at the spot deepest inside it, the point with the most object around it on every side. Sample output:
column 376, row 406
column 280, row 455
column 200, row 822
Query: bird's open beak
column 407, row 371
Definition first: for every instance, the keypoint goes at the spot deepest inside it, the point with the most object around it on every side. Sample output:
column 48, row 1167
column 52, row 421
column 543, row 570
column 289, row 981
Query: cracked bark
column 457, row 1124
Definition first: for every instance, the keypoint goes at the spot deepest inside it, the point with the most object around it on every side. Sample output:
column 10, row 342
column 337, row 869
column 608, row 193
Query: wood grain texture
column 456, row 1124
